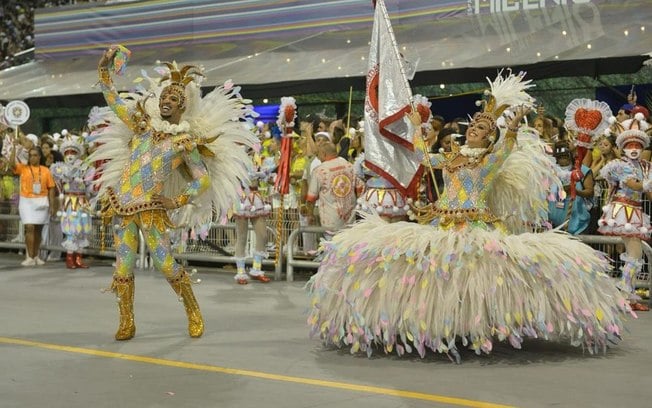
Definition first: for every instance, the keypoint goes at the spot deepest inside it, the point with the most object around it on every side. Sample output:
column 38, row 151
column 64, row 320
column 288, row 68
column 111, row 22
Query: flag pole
column 287, row 114
column 429, row 165
column 348, row 115
column 383, row 9
column 279, row 232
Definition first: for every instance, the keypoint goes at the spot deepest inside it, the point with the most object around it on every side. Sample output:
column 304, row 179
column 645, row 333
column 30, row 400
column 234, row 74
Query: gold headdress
column 504, row 92
column 180, row 78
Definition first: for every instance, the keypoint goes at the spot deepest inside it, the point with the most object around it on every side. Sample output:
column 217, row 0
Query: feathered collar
column 169, row 128
column 472, row 151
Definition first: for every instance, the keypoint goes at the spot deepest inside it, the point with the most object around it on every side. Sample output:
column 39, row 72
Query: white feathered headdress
column 505, row 92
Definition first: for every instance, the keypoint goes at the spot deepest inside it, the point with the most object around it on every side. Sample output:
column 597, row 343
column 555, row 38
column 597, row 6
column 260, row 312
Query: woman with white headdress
column 72, row 178
column 469, row 272
column 630, row 180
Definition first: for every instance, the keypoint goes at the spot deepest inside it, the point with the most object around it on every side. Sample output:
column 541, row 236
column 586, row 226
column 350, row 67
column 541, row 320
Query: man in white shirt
column 336, row 187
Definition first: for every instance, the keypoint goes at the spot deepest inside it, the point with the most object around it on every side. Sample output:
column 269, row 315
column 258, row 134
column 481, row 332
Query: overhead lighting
column 488, row 49
column 538, row 54
column 265, row 100
column 556, row 56
column 642, row 28
column 348, row 41
column 288, row 60
column 626, row 32
column 362, row 58
column 323, row 60
column 339, row 67
column 508, row 49
column 588, row 46
column 442, row 86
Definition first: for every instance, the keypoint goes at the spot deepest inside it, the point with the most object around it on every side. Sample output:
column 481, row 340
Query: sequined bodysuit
column 466, row 187
column 153, row 155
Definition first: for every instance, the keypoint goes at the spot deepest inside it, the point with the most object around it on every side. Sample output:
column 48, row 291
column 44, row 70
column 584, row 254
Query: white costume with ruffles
column 76, row 212
column 253, row 202
column 474, row 275
column 379, row 194
column 623, row 215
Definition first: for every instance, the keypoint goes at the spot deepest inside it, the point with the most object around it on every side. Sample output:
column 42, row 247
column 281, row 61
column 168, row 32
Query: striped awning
column 272, row 43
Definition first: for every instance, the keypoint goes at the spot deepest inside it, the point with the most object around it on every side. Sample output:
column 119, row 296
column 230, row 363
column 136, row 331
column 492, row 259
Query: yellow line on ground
column 257, row 374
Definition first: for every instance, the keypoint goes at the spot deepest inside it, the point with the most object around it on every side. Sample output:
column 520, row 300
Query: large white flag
column 389, row 148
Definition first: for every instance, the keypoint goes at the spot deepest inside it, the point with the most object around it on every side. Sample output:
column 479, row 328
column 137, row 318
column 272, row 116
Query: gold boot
column 181, row 286
column 123, row 287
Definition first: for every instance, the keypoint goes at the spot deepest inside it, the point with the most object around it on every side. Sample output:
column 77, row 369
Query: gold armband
column 104, row 74
column 181, row 200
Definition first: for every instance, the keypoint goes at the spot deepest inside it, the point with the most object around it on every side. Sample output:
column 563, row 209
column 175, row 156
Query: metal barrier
column 643, row 279
column 218, row 238
column 215, row 248
column 291, row 262
column 102, row 237
column 12, row 225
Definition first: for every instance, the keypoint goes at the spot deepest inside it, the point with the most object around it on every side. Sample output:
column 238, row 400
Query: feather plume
column 526, row 178
column 508, row 91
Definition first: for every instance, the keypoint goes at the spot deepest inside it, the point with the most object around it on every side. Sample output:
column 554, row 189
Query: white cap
column 33, row 138
column 323, row 134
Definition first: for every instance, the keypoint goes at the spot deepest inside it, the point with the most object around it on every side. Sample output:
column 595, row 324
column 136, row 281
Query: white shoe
column 39, row 261
column 28, row 262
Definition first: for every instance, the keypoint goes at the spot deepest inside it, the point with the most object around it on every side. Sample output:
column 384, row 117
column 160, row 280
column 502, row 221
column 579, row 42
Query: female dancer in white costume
column 473, row 274
column 629, row 181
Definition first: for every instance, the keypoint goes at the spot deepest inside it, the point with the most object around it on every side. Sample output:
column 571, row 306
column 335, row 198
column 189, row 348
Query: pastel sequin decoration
column 120, row 60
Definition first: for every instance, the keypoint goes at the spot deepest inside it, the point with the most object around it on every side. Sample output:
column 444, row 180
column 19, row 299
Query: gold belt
column 425, row 214
column 130, row 209
column 463, row 215
column 144, row 215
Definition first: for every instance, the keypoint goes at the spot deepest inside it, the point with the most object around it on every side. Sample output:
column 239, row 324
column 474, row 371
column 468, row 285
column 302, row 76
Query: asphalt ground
column 57, row 350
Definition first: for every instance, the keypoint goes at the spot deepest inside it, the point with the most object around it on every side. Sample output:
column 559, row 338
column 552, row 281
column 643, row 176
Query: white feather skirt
column 400, row 286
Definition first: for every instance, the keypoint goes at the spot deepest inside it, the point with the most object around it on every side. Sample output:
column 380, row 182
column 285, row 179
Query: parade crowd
column 310, row 200
column 468, row 254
